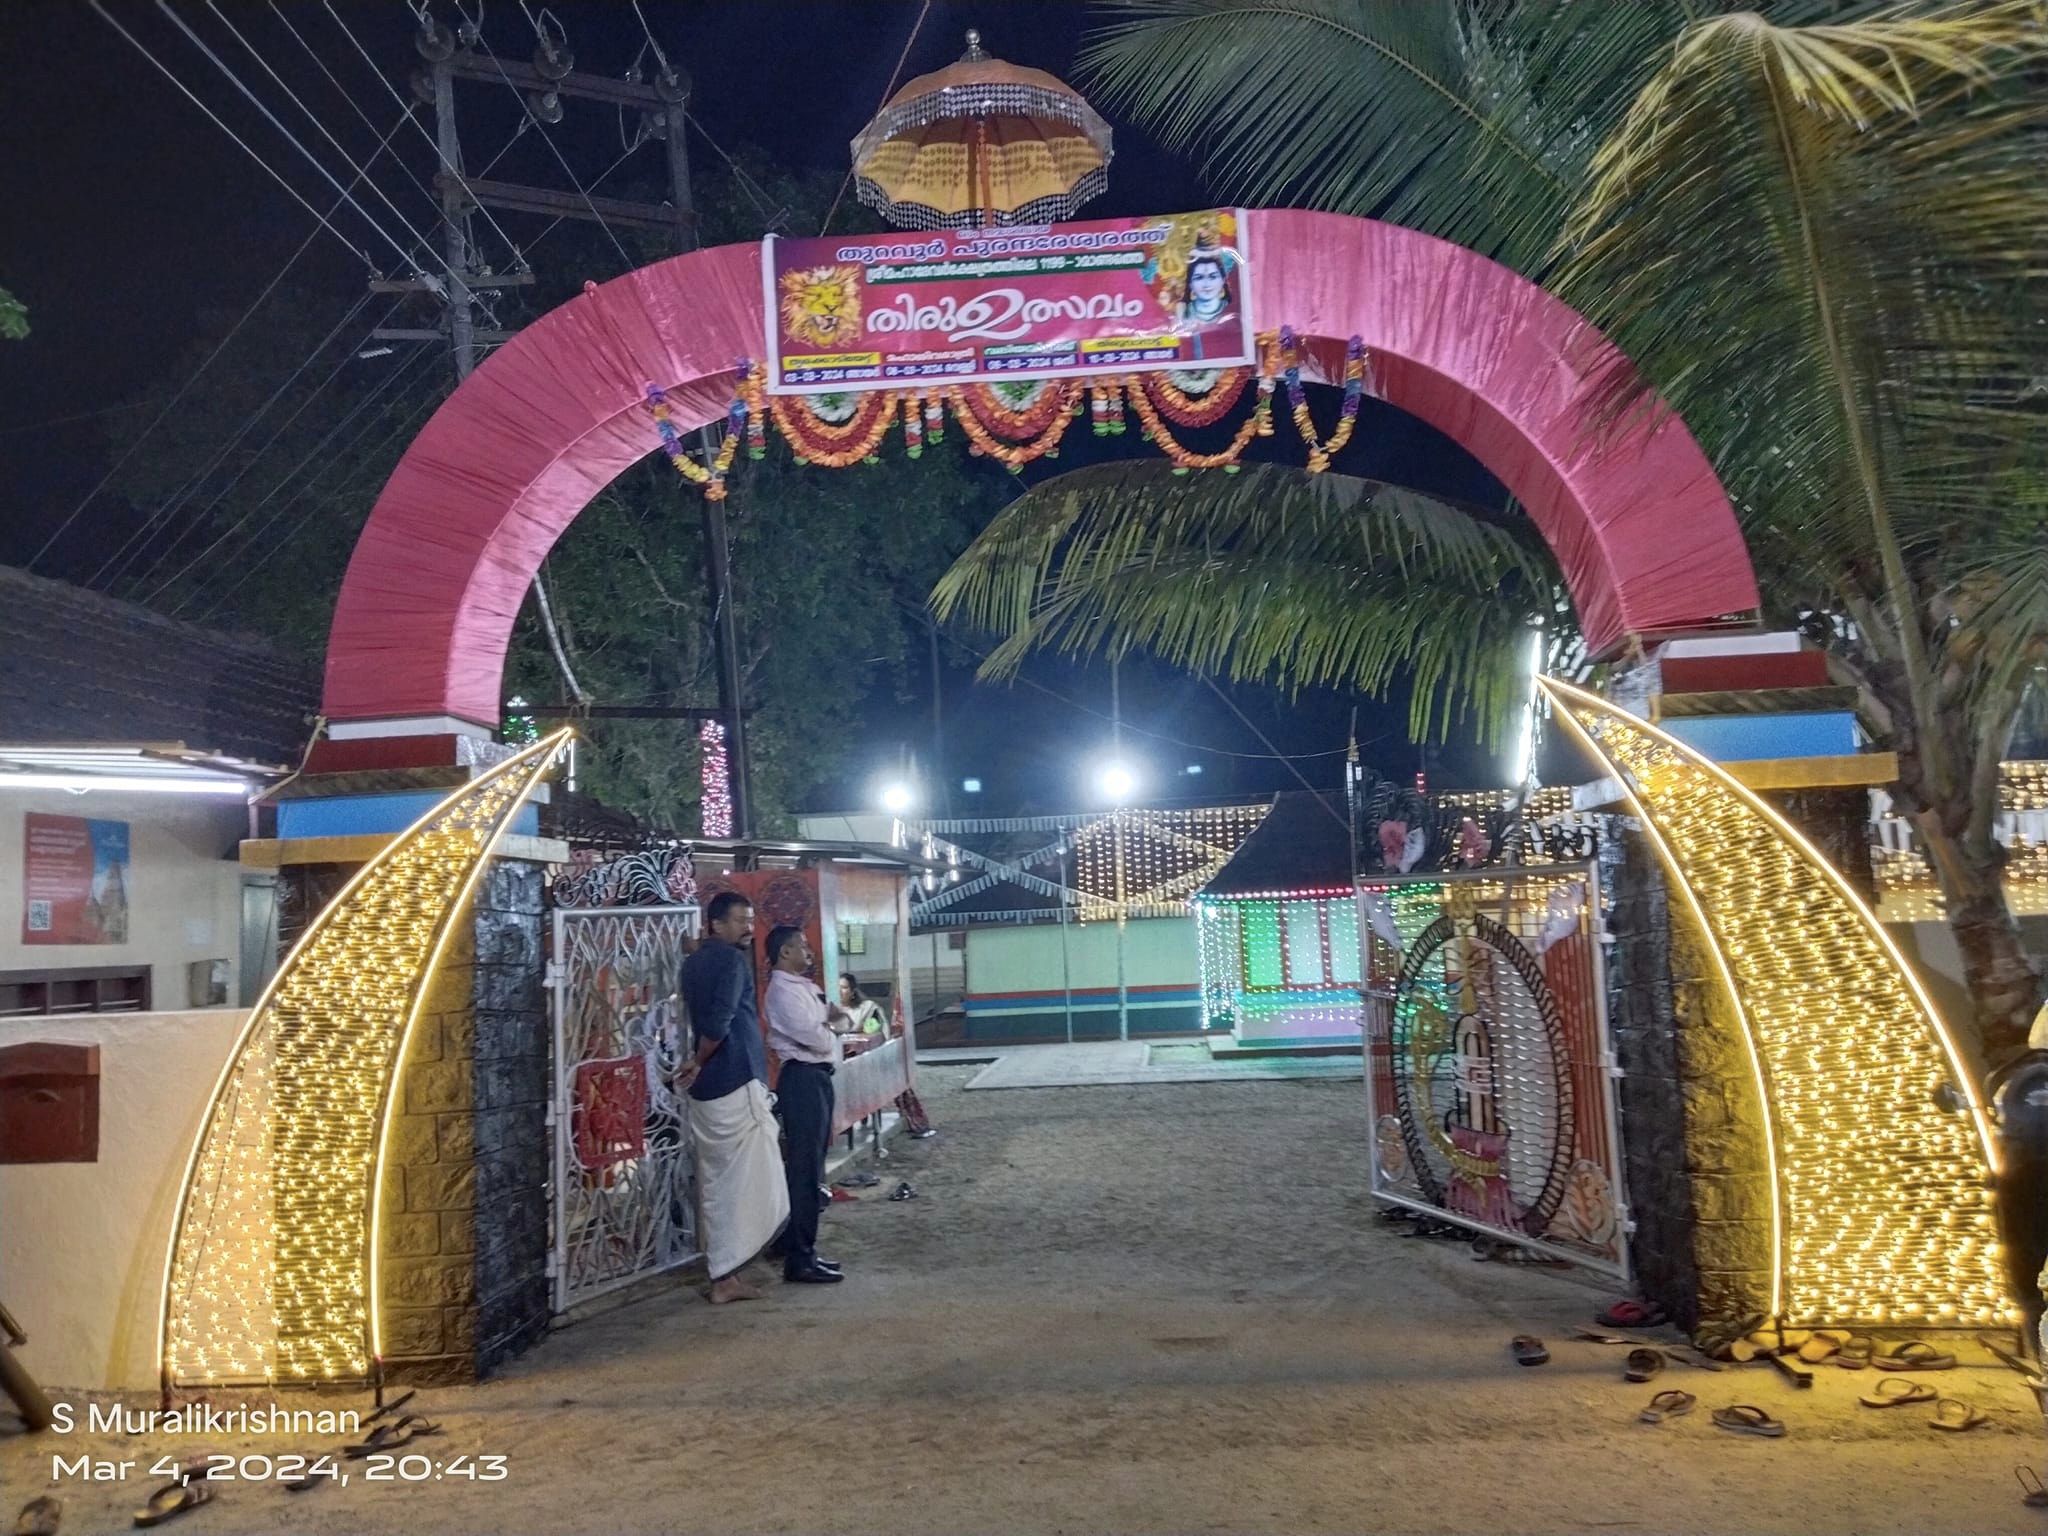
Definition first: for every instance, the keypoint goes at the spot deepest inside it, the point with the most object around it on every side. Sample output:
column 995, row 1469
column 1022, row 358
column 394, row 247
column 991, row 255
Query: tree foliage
column 1816, row 230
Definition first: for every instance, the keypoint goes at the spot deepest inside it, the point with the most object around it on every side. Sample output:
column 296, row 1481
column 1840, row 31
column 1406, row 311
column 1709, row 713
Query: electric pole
column 542, row 85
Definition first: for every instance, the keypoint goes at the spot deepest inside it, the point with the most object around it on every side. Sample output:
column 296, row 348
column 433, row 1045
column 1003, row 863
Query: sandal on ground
column 171, row 1501
column 1668, row 1405
column 40, row 1516
column 393, row 1406
column 389, row 1437
column 1748, row 1419
column 1631, row 1314
column 1817, row 1349
column 1906, row 1392
column 1529, row 1350
column 903, row 1191
column 1855, row 1355
column 1955, row 1414
column 2032, row 1494
column 1642, row 1364
column 1913, row 1355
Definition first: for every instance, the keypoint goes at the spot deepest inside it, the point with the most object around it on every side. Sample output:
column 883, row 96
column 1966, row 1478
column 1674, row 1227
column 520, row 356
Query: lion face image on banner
column 821, row 306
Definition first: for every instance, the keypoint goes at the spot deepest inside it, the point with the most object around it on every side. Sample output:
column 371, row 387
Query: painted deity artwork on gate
column 1487, row 1051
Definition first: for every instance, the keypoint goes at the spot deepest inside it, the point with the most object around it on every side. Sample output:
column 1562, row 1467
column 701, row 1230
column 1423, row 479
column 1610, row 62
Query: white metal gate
column 624, row 1204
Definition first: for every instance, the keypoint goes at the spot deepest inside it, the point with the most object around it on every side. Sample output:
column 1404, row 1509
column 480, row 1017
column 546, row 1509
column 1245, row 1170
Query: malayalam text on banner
column 1045, row 301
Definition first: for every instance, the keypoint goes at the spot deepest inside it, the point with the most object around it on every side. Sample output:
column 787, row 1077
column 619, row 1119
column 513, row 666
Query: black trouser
column 803, row 1096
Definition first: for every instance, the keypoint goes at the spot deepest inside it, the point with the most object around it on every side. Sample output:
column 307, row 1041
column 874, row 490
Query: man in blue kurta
column 732, row 1125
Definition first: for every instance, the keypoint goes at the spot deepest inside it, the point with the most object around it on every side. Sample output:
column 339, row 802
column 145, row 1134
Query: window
column 87, row 989
column 1306, row 963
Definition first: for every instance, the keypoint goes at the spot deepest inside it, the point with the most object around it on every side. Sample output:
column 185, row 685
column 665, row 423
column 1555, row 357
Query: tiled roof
column 79, row 666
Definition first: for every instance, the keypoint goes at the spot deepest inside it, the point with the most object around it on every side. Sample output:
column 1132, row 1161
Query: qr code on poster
column 39, row 917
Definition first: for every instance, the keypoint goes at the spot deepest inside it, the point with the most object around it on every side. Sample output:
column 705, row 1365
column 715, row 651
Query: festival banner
column 74, row 880
column 1046, row 301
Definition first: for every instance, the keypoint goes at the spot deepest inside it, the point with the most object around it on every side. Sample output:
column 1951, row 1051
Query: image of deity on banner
column 1198, row 277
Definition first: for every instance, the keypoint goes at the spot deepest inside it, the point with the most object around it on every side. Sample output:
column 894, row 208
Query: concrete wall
column 184, row 886
column 82, row 1245
column 1016, row 990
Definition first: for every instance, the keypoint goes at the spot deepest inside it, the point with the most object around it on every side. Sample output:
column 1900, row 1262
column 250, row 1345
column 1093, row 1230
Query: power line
column 405, row 423
column 518, row 260
column 314, row 118
column 325, row 223
column 135, row 443
column 889, row 90
column 346, row 95
column 290, row 137
column 553, row 149
column 138, row 541
column 289, row 475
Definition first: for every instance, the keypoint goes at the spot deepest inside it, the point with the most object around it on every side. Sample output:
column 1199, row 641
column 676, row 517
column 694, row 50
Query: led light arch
column 1882, row 1209
column 272, row 1273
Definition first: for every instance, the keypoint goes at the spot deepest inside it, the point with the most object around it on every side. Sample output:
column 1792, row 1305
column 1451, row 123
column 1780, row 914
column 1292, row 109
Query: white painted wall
column 184, row 885
column 82, row 1244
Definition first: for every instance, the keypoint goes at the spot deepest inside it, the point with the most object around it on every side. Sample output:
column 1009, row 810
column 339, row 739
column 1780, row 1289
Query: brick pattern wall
column 469, row 1150
column 509, row 1075
column 1692, row 1130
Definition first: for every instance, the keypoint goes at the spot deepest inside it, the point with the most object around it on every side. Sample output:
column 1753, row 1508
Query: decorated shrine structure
column 1857, row 1157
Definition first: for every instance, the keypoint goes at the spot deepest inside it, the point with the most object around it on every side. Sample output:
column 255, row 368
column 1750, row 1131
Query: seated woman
column 867, row 1021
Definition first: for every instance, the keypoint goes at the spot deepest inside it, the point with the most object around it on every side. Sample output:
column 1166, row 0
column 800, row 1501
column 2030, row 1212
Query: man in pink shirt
column 801, row 1038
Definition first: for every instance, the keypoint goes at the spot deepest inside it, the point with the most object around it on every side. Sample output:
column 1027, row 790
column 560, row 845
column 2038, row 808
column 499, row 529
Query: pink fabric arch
column 1641, row 526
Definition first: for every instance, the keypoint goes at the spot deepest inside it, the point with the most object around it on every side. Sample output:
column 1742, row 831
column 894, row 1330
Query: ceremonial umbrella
column 982, row 142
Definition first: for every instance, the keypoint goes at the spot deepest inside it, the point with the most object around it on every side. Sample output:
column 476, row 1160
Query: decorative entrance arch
column 1640, row 525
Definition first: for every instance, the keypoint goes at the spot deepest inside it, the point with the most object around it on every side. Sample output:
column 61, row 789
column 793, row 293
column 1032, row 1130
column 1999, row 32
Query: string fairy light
column 272, row 1274
column 1886, row 1208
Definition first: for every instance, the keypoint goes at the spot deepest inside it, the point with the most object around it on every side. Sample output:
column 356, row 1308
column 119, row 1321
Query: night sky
column 129, row 216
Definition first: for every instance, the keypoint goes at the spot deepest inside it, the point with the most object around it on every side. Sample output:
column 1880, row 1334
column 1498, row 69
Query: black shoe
column 824, row 1263
column 817, row 1274
column 923, row 1135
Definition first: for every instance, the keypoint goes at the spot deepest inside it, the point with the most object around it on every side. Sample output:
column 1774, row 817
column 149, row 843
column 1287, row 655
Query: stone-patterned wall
column 1838, row 823
column 510, row 1078
column 466, row 1222
column 1692, row 1130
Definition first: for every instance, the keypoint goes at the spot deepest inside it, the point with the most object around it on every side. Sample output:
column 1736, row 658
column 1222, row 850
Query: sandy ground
column 1135, row 1309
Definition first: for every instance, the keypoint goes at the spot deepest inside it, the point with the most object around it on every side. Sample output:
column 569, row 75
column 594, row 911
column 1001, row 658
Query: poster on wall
column 1014, row 305
column 74, row 880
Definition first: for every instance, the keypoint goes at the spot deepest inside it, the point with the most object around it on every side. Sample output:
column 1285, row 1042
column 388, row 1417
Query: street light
column 897, row 798
column 1116, row 781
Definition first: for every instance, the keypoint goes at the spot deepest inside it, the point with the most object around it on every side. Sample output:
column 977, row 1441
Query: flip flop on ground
column 1642, row 1364
column 1668, row 1405
column 2032, row 1493
column 171, row 1501
column 1955, row 1414
column 1748, row 1419
column 1631, row 1314
column 1905, row 1392
column 1913, row 1355
column 1529, row 1350
column 1856, row 1352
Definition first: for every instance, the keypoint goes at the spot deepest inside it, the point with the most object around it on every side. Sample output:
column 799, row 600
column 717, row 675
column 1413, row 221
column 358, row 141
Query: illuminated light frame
column 1576, row 701
column 535, row 761
column 1303, row 1001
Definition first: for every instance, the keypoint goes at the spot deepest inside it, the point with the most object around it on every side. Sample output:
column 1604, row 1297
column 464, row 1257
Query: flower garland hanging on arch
column 1016, row 422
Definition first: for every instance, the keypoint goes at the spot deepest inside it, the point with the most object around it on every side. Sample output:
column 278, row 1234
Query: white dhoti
column 740, row 1183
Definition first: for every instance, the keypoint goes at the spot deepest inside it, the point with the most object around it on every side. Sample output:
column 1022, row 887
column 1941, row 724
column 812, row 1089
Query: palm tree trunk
column 2001, row 978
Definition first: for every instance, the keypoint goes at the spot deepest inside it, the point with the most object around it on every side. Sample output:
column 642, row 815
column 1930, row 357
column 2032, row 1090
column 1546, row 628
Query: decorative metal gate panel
column 1487, row 1057
column 624, row 1202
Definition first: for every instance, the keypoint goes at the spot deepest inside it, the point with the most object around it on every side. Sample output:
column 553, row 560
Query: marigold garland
column 1184, row 460
column 712, row 477
column 835, row 447
column 1014, row 456
column 1004, row 420
column 1015, row 436
column 1320, row 453
column 1190, row 410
